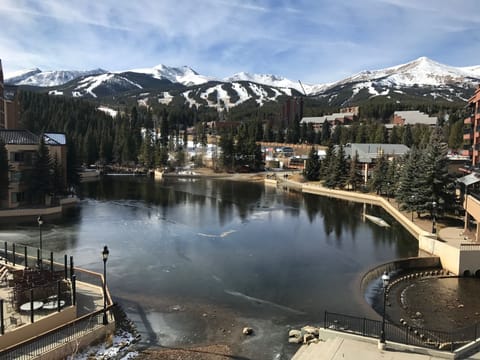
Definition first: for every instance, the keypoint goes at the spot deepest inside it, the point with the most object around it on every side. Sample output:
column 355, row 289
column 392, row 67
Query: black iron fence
column 405, row 334
column 55, row 338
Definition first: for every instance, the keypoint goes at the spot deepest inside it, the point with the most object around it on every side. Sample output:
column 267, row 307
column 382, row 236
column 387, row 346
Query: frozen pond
column 194, row 261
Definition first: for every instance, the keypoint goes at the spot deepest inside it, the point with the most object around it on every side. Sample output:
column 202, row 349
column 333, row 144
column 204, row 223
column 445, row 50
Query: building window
column 25, row 157
column 17, row 197
column 17, row 156
column 15, row 176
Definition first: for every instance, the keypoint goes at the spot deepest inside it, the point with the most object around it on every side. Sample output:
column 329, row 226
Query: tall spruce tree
column 435, row 183
column 407, row 189
column 340, row 168
column 326, row 167
column 41, row 178
column 312, row 166
column 379, row 179
column 354, row 175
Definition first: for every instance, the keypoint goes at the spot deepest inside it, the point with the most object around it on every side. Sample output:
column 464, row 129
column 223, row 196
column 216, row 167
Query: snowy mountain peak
column 49, row 78
column 183, row 75
column 421, row 71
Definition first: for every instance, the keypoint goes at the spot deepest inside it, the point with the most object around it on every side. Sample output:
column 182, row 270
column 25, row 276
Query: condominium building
column 471, row 129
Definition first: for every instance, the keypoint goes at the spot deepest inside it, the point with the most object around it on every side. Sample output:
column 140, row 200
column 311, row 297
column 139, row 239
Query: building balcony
column 465, row 152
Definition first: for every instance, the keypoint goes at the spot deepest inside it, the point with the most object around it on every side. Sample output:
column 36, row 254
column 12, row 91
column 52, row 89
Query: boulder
column 310, row 330
column 295, row 333
column 307, row 338
column 247, row 331
column 295, row 340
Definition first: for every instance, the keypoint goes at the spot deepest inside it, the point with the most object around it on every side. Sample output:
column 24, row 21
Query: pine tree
column 146, row 156
column 227, row 157
column 354, row 175
column 312, row 166
column 326, row 133
column 73, row 176
column 435, row 183
column 40, row 181
column 325, row 169
column 407, row 188
column 378, row 180
column 58, row 180
column 407, row 139
column 340, row 168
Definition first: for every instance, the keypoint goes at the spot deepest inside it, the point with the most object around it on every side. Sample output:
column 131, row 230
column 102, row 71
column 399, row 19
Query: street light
column 105, row 253
column 434, row 208
column 385, row 281
column 40, row 223
column 412, row 201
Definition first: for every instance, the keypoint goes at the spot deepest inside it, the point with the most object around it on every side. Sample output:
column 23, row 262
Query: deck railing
column 404, row 334
column 55, row 338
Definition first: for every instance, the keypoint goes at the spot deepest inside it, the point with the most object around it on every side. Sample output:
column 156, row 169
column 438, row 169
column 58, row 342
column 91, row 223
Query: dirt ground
column 211, row 352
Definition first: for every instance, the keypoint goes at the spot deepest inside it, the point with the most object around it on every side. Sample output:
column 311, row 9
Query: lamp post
column 412, row 200
column 385, row 281
column 40, row 223
column 434, row 208
column 105, row 253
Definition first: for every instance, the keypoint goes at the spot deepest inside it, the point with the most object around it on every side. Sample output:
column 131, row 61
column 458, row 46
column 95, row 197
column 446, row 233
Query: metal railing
column 404, row 334
column 16, row 254
column 470, row 246
column 54, row 338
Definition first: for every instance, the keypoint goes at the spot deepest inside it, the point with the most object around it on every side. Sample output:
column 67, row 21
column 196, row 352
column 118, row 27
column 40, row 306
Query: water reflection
column 261, row 252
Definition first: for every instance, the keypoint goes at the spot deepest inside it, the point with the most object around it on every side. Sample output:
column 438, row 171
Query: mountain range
column 422, row 78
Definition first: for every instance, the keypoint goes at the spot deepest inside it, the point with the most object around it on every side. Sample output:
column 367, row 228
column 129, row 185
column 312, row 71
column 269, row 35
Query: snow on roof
column 416, row 117
column 322, row 119
column 469, row 179
column 368, row 152
column 55, row 139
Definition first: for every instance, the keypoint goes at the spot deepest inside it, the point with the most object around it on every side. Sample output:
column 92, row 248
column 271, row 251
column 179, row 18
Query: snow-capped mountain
column 277, row 81
column 422, row 78
column 49, row 78
column 422, row 71
column 183, row 75
column 225, row 95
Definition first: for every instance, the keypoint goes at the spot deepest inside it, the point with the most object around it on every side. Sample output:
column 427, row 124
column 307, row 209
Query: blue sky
column 316, row 41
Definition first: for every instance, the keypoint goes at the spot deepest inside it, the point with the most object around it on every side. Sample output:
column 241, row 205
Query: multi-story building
column 292, row 110
column 471, row 129
column 22, row 150
column 22, row 146
column 2, row 101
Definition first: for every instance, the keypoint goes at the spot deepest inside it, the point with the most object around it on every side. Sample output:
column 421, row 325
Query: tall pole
column 385, row 281
column 40, row 223
column 105, row 253
column 434, row 208
column 382, row 333
column 412, row 200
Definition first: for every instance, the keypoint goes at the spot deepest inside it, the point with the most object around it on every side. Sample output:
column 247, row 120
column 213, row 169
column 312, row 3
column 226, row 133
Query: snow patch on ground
column 55, row 92
column 120, row 349
column 107, row 110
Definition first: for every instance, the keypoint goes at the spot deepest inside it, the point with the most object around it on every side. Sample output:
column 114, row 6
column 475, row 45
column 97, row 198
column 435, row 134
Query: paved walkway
column 339, row 346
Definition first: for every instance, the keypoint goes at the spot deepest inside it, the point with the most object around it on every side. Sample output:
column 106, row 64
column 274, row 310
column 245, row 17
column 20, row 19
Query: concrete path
column 342, row 346
column 347, row 349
